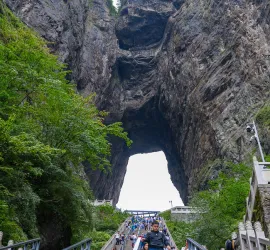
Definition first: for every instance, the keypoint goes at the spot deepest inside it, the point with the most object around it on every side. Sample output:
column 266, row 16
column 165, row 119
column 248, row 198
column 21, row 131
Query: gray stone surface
column 188, row 90
column 264, row 193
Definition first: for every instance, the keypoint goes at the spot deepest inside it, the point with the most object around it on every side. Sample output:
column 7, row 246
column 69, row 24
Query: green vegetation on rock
column 220, row 208
column 263, row 116
column 263, row 121
column 46, row 131
column 106, row 220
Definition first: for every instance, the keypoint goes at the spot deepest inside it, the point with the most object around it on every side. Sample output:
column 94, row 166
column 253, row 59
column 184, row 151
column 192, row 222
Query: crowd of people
column 120, row 238
column 152, row 232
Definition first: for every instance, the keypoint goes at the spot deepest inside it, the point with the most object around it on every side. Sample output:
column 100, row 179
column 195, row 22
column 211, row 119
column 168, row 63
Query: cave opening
column 147, row 184
column 150, row 132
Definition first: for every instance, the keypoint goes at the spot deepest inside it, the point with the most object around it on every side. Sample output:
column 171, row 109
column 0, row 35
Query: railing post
column 193, row 245
column 34, row 244
column 1, row 238
column 250, row 233
column 86, row 243
column 10, row 243
column 242, row 232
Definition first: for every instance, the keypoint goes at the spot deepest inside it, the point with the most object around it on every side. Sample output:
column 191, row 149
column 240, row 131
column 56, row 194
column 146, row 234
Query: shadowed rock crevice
column 142, row 23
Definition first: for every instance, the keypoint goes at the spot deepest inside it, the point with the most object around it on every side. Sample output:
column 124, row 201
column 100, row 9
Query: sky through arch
column 147, row 184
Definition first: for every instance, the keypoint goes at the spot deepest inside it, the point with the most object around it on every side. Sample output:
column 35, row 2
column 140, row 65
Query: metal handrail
column 86, row 243
column 112, row 239
column 137, row 244
column 194, row 245
column 35, row 244
column 169, row 233
column 125, row 241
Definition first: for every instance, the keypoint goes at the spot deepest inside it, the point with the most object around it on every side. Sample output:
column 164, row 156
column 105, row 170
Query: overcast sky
column 147, row 184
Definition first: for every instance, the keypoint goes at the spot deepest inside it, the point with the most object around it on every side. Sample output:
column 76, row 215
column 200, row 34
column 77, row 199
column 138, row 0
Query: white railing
column 30, row 244
column 252, row 238
column 137, row 244
column 183, row 210
column 112, row 241
column 260, row 178
column 83, row 245
column 194, row 245
column 103, row 202
column 172, row 242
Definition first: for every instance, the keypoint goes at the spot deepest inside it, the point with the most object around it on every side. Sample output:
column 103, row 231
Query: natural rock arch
column 187, row 89
column 150, row 132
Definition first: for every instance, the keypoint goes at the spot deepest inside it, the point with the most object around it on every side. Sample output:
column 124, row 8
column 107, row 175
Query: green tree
column 180, row 231
column 222, row 206
column 46, row 130
column 166, row 215
column 109, row 219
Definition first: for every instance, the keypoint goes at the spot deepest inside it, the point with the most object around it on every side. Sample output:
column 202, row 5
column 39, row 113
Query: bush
column 263, row 116
column 180, row 231
column 220, row 208
column 166, row 215
column 108, row 219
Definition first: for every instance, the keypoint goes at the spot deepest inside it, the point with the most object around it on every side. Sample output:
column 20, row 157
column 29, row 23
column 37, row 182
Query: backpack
column 228, row 245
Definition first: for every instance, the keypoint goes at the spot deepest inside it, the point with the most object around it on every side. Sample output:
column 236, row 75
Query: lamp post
column 171, row 203
column 251, row 128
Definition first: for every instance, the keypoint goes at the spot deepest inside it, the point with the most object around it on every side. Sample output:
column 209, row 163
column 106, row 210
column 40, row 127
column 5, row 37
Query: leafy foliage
column 99, row 239
column 166, row 215
column 263, row 116
column 263, row 122
column 180, row 231
column 46, row 131
column 9, row 224
column 106, row 220
column 220, row 208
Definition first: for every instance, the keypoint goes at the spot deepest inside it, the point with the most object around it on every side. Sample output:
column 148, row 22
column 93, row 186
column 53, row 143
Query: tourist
column 133, row 240
column 145, row 247
column 155, row 239
column 165, row 230
column 117, row 237
column 123, row 236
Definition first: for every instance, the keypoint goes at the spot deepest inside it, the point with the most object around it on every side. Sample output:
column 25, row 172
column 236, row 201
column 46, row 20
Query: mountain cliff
column 184, row 77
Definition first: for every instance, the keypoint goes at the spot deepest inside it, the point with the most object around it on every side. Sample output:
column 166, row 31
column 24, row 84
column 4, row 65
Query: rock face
column 142, row 23
column 183, row 76
column 191, row 93
column 264, row 193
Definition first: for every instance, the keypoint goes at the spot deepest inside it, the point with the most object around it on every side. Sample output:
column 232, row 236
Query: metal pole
column 258, row 141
